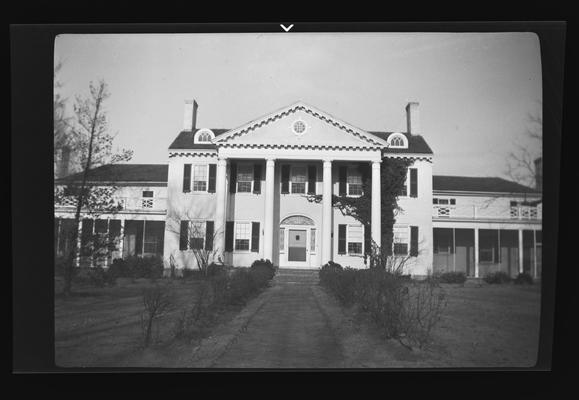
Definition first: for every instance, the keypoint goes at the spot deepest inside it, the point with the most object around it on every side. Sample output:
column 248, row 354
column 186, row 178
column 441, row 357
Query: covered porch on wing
column 480, row 251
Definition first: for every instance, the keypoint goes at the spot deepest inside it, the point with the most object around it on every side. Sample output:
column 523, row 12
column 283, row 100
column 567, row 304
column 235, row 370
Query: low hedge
column 400, row 307
column 137, row 267
column 451, row 277
column 524, row 278
column 498, row 277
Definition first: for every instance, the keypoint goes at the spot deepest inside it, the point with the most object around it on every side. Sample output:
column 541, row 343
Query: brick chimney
column 539, row 174
column 190, row 115
column 413, row 118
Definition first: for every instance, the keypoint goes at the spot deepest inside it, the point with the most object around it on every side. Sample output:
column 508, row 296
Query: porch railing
column 486, row 212
column 127, row 203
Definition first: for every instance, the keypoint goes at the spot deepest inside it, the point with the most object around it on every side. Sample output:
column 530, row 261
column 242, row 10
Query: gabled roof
column 122, row 173
column 478, row 184
column 360, row 134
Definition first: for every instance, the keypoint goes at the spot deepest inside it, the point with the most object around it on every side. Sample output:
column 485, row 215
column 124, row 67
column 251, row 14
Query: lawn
column 490, row 325
column 101, row 327
column 482, row 326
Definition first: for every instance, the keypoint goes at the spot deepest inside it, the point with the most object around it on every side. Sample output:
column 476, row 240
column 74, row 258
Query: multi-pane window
column 355, row 239
column 200, row 178
column 488, row 245
column 204, row 137
column 397, row 141
column 298, row 179
column 436, row 200
column 244, row 178
column 242, row 235
column 196, row 234
column 354, row 182
column 150, row 244
column 400, row 240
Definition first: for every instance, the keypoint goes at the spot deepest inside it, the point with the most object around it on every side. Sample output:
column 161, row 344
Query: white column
column 476, row 253
column 269, row 197
column 122, row 240
column 376, row 219
column 520, row 250
column 327, row 213
column 220, row 203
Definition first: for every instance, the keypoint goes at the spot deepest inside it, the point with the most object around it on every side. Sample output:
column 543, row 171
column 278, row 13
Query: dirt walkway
column 291, row 330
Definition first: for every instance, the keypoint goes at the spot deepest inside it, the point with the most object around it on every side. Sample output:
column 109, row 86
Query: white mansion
column 243, row 192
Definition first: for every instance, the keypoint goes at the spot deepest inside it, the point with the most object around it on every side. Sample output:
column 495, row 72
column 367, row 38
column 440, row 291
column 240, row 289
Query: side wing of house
column 483, row 230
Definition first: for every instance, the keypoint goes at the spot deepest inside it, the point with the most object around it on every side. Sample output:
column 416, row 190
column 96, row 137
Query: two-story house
column 246, row 193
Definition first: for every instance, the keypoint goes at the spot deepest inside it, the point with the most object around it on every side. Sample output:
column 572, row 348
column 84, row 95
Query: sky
column 476, row 90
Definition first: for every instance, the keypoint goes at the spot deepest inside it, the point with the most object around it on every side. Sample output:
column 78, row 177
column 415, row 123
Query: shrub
column 118, row 269
column 98, row 277
column 156, row 301
column 422, row 311
column 219, row 288
column 262, row 271
column 524, row 278
column 216, row 269
column 194, row 316
column 451, row 277
column 137, row 267
column 399, row 307
column 241, row 286
column 498, row 277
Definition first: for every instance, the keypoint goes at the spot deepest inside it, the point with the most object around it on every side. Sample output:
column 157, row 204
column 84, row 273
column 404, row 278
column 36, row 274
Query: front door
column 297, row 245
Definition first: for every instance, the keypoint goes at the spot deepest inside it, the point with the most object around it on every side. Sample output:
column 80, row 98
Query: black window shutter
column 257, row 178
column 209, row 235
column 229, row 236
column 212, row 176
column 343, row 172
column 312, row 179
column 184, row 235
column 186, row 178
column 232, row 177
column 255, row 237
column 413, row 182
column 285, row 176
column 341, row 239
column 414, row 241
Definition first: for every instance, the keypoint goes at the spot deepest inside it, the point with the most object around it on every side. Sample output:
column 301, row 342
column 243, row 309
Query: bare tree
column 521, row 163
column 198, row 241
column 89, row 130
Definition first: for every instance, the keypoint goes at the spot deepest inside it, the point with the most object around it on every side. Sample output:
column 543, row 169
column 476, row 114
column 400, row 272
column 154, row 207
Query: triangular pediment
column 299, row 125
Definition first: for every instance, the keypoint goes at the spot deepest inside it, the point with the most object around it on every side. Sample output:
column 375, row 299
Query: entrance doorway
column 297, row 246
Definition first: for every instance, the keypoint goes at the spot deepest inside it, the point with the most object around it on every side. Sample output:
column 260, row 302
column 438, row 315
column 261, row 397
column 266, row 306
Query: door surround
column 297, row 222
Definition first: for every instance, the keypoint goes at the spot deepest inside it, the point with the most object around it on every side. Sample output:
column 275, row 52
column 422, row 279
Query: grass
column 490, row 325
column 482, row 326
column 99, row 327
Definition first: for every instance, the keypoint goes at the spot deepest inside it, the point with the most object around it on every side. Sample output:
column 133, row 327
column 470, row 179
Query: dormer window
column 397, row 141
column 204, row 136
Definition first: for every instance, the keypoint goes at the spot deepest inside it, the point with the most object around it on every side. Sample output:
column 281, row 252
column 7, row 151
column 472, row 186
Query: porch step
column 287, row 275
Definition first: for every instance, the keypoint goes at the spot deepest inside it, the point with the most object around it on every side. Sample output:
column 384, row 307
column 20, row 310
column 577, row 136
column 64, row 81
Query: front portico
column 302, row 151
